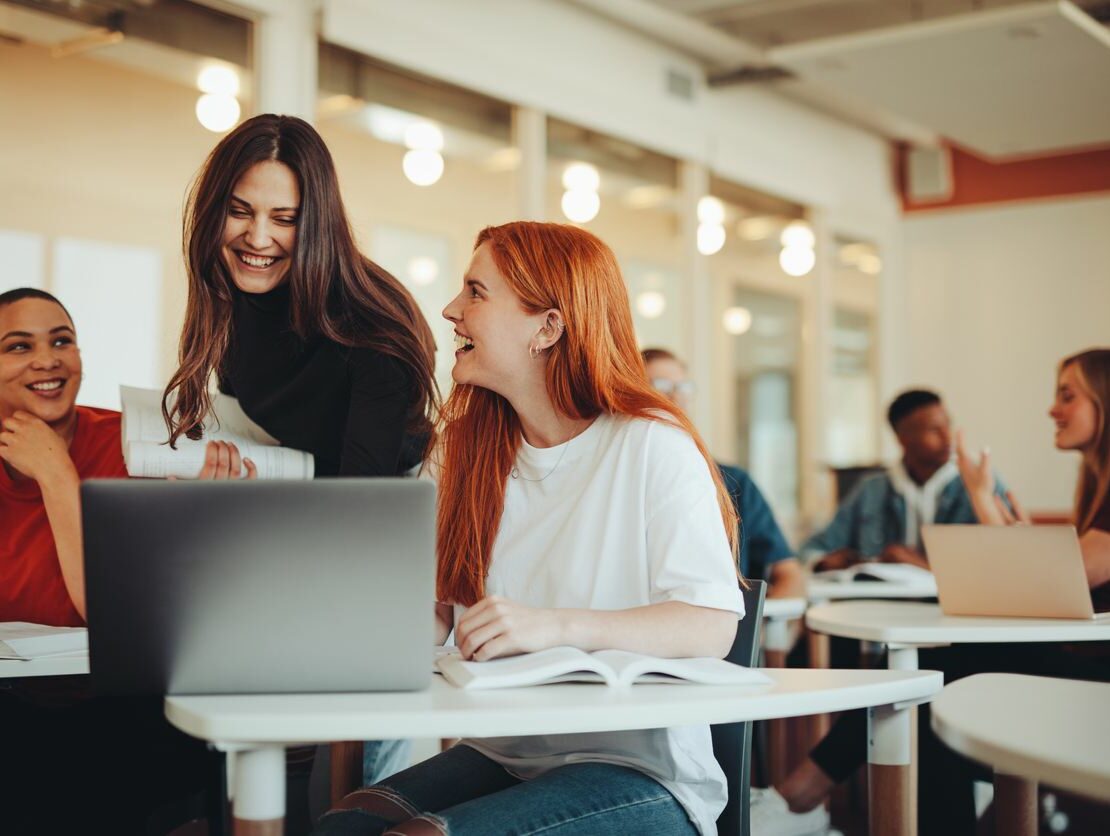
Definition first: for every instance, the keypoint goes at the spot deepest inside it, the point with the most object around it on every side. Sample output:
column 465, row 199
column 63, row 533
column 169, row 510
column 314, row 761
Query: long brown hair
column 1093, row 491
column 334, row 290
column 594, row 368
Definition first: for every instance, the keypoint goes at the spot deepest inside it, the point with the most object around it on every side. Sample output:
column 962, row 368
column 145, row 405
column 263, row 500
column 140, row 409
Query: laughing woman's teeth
column 464, row 343
column 48, row 386
column 256, row 261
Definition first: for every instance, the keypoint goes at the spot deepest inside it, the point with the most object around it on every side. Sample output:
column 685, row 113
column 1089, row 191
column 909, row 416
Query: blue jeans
column 382, row 758
column 463, row 793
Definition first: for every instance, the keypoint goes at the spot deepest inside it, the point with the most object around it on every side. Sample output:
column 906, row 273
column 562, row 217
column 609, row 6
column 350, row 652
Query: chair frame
column 732, row 742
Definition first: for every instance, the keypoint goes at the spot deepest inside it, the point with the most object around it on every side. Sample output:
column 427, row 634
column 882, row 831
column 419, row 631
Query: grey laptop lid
column 259, row 587
column 1030, row 571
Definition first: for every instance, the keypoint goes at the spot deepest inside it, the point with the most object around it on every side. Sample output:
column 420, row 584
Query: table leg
column 889, row 777
column 905, row 659
column 776, row 645
column 258, row 808
column 1015, row 805
column 818, row 645
column 346, row 768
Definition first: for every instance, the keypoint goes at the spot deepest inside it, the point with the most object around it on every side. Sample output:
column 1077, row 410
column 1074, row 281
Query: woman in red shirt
column 47, row 446
column 112, row 762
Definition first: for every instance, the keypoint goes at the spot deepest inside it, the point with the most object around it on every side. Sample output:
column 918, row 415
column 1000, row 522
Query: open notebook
column 612, row 667
column 146, row 453
column 26, row 641
column 874, row 571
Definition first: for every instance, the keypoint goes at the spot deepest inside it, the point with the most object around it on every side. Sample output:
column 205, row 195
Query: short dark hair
column 10, row 297
column 908, row 402
column 650, row 355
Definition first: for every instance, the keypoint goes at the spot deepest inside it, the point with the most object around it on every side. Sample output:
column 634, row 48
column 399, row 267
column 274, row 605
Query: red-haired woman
column 577, row 507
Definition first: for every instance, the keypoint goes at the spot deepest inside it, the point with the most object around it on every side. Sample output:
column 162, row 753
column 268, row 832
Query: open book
column 900, row 573
column 569, row 664
column 23, row 640
column 147, row 454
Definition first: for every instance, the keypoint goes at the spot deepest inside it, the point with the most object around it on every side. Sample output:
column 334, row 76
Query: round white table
column 1029, row 729
column 255, row 728
column 905, row 626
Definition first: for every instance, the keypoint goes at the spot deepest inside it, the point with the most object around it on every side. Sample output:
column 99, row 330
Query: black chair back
column 732, row 742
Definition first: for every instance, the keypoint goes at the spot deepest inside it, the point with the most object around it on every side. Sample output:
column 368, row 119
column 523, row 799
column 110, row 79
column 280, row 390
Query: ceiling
column 772, row 23
column 1003, row 78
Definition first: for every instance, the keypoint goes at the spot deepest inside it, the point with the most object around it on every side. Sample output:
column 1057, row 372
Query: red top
column 31, row 585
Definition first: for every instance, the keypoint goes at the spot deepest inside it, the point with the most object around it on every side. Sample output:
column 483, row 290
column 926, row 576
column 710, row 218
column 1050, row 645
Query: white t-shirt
column 626, row 515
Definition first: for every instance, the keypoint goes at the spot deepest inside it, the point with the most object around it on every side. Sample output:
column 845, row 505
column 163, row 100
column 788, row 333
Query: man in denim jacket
column 882, row 517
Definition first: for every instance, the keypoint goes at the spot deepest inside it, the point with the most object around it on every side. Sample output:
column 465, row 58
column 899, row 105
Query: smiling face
column 493, row 331
column 260, row 232
column 40, row 364
column 1074, row 412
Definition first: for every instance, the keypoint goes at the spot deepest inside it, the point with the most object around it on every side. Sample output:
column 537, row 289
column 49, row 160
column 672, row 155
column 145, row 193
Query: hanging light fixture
column 650, row 304
column 737, row 320
column 218, row 109
column 581, row 201
column 797, row 257
column 711, row 225
column 423, row 163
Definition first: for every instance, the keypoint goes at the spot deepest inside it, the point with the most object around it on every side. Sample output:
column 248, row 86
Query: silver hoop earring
column 535, row 352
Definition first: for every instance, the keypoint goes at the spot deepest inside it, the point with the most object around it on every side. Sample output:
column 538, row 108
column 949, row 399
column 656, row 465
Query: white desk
column 904, row 626
column 1029, row 729
column 254, row 729
column 57, row 666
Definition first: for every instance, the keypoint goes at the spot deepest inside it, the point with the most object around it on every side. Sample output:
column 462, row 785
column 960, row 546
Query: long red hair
column 594, row 368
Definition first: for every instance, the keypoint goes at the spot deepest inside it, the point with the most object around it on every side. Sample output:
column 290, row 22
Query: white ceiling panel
column 1006, row 83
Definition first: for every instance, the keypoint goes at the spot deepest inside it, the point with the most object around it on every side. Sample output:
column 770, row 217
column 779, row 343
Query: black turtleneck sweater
column 345, row 406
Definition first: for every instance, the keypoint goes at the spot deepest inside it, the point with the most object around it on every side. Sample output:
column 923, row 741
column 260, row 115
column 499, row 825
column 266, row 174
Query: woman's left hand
column 31, row 446
column 496, row 626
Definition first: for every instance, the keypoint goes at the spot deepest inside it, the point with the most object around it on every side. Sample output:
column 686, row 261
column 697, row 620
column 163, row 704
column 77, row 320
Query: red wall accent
column 977, row 181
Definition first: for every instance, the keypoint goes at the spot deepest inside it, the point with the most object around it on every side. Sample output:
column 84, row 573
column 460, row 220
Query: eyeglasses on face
column 665, row 386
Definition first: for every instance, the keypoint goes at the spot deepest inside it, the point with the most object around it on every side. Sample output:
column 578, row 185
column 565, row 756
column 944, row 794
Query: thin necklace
column 515, row 472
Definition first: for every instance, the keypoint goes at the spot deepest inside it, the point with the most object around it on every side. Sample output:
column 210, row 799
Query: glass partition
column 626, row 195
column 102, row 136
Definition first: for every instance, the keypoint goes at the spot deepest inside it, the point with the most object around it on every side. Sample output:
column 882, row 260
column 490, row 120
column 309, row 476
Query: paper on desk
column 23, row 640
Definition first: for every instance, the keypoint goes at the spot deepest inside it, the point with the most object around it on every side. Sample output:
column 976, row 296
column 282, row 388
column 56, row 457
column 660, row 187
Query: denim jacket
column 873, row 516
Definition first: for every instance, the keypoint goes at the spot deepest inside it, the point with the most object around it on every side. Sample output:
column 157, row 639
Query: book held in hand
column 612, row 667
column 147, row 453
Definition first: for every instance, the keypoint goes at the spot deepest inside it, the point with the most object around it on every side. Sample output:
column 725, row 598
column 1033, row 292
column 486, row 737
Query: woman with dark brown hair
column 323, row 348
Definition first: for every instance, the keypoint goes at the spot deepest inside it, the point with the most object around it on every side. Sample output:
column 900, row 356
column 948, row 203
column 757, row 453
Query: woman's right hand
column 222, row 461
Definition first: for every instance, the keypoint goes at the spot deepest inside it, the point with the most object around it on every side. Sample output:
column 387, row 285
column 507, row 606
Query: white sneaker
column 771, row 816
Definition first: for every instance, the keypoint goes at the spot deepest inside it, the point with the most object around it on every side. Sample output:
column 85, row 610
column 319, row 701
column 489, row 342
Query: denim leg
column 450, row 778
column 382, row 758
column 580, row 799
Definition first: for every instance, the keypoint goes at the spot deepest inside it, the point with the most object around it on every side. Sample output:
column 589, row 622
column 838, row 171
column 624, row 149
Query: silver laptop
column 1030, row 571
column 259, row 587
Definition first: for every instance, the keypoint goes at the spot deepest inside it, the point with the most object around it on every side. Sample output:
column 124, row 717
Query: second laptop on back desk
column 1025, row 571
